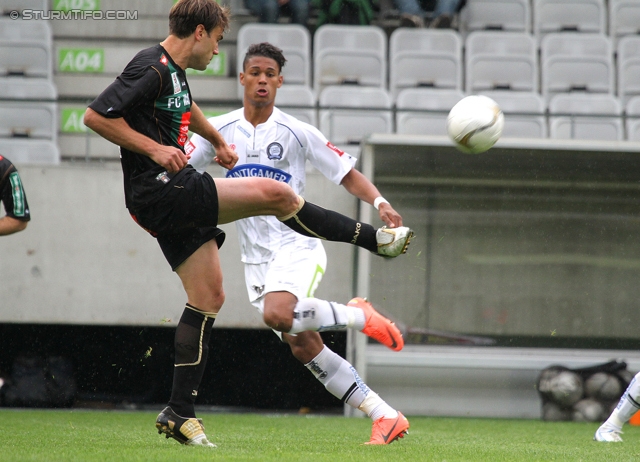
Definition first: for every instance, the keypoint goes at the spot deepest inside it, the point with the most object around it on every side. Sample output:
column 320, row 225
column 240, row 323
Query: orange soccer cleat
column 386, row 431
column 377, row 326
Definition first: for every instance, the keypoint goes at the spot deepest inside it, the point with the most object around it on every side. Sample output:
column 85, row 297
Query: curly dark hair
column 265, row 50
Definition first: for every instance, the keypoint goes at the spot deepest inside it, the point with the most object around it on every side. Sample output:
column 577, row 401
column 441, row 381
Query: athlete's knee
column 210, row 300
column 279, row 320
column 281, row 197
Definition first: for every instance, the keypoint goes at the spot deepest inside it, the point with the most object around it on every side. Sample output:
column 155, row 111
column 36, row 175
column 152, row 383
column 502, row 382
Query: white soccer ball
column 475, row 124
column 603, row 386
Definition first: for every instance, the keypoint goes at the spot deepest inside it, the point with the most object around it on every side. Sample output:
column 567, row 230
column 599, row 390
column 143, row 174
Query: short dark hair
column 186, row 15
column 265, row 50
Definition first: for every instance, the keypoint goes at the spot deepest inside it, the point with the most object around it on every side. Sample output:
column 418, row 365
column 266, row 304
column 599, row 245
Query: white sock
column 320, row 315
column 339, row 377
column 376, row 408
column 629, row 404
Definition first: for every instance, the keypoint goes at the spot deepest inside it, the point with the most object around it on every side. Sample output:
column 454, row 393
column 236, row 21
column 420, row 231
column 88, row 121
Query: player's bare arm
column 359, row 185
column 10, row 225
column 225, row 156
column 119, row 132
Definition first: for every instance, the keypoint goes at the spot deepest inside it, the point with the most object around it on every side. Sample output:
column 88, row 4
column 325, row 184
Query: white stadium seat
column 299, row 101
column 505, row 15
column 524, row 113
column 575, row 61
column 585, row 117
column 26, row 151
column 424, row 58
column 424, row 111
column 27, row 88
column 628, row 67
column 569, row 15
column 19, row 119
column 349, row 112
column 501, row 60
column 633, row 119
column 624, row 18
column 349, row 54
column 29, row 59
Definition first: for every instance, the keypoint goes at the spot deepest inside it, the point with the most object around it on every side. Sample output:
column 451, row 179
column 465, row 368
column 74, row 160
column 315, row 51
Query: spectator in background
column 412, row 13
column 269, row 10
column 13, row 198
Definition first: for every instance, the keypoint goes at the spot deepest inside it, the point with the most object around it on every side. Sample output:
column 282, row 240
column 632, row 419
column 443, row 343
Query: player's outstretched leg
column 189, row 431
column 314, row 221
column 610, row 430
column 312, row 314
column 377, row 326
column 342, row 380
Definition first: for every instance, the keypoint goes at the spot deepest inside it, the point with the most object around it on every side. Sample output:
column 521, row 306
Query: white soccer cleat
column 606, row 434
column 393, row 241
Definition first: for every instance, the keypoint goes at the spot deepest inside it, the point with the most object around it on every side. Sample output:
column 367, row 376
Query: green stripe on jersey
column 315, row 282
column 18, row 194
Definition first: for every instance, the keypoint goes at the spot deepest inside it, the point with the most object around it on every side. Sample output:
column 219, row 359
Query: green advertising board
column 76, row 5
column 80, row 59
column 71, row 120
column 217, row 66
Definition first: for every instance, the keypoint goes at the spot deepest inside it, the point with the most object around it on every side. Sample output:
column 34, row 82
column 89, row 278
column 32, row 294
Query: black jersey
column 153, row 97
column 12, row 193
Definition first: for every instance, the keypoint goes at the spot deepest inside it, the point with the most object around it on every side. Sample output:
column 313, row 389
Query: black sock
column 314, row 221
column 191, row 351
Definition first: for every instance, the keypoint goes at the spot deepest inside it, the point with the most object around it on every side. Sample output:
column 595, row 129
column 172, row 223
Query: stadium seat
column 293, row 39
column 7, row 6
column 18, row 31
column 27, row 88
column 505, row 15
column 348, row 113
column 624, row 18
column 574, row 61
column 423, row 111
column 524, row 113
column 19, row 119
column 628, row 67
column 585, row 117
column 28, row 59
column 424, row 58
column 501, row 60
column 633, row 119
column 349, row 54
column 569, row 15
column 299, row 101
column 27, row 151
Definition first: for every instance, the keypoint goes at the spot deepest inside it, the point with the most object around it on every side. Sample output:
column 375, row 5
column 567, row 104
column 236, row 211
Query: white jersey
column 278, row 149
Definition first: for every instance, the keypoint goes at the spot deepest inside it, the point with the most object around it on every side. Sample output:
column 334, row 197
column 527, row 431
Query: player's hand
column 169, row 157
column 226, row 157
column 387, row 214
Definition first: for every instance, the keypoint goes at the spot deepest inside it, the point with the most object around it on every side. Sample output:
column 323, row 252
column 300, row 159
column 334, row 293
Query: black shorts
column 185, row 218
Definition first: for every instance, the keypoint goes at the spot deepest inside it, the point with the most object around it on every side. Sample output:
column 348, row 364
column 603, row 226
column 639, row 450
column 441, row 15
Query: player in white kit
column 283, row 268
column 629, row 404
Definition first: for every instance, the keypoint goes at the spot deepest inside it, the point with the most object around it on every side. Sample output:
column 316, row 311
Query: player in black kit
column 148, row 111
column 13, row 198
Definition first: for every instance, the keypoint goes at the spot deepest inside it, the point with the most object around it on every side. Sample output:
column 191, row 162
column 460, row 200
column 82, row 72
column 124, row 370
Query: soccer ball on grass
column 475, row 124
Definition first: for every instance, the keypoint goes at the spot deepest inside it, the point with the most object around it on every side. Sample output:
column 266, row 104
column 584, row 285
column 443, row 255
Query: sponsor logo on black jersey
column 163, row 177
column 275, row 151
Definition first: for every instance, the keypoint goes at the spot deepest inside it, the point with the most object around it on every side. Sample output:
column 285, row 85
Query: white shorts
column 298, row 272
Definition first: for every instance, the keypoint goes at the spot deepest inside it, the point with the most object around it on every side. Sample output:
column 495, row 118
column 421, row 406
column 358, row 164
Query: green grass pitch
column 79, row 435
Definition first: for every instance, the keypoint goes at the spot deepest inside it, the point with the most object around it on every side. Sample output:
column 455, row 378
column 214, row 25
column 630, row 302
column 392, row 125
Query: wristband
column 379, row 200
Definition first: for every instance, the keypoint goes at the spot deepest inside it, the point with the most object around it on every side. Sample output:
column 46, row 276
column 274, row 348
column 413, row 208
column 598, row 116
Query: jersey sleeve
column 201, row 151
column 324, row 156
column 127, row 92
column 14, row 198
